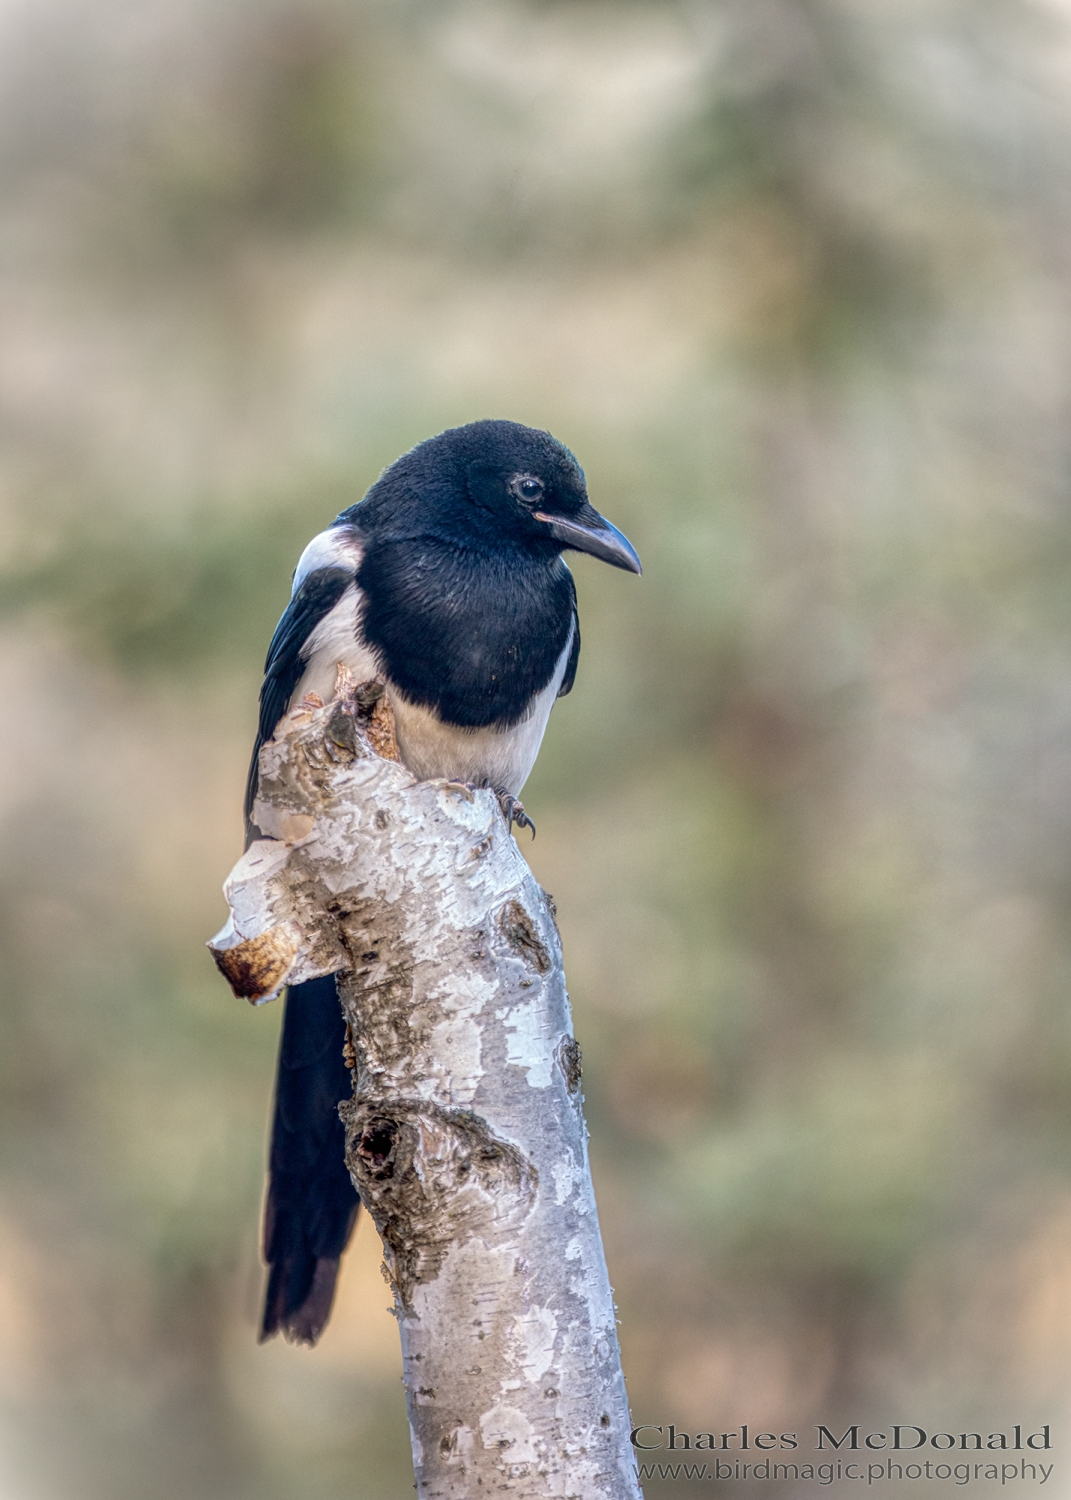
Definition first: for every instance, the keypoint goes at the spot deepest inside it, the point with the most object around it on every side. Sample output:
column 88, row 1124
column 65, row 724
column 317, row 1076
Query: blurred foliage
column 171, row 603
column 790, row 276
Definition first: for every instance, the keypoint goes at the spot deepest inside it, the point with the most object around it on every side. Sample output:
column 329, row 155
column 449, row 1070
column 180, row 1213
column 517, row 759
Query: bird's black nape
column 492, row 484
column 469, row 482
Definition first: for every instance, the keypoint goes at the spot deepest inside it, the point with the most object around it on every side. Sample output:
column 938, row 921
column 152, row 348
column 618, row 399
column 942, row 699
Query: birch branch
column 464, row 1136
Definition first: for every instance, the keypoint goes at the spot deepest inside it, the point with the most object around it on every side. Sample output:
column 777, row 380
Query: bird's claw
column 513, row 811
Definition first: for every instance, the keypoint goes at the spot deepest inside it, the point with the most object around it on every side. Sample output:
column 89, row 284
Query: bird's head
column 500, row 483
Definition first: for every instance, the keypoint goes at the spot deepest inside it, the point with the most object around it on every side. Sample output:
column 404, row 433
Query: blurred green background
column 792, row 278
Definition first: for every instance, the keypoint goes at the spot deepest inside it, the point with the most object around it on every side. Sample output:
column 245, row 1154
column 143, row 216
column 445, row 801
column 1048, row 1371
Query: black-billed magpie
column 447, row 582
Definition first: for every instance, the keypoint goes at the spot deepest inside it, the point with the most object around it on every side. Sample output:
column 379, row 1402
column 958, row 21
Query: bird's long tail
column 312, row 1204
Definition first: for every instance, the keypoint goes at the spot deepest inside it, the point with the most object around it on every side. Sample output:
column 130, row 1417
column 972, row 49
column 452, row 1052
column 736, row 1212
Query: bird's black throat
column 472, row 633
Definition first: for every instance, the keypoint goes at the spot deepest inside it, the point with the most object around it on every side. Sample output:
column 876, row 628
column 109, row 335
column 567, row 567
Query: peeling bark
column 464, row 1136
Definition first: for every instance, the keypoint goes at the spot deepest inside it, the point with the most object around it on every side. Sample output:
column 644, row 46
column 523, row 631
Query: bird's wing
column 315, row 596
column 574, row 648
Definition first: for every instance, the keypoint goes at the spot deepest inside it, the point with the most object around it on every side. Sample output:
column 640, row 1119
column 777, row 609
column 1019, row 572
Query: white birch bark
column 465, row 1136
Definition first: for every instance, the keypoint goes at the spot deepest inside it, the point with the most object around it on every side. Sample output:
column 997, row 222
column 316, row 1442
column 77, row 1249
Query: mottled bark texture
column 465, row 1136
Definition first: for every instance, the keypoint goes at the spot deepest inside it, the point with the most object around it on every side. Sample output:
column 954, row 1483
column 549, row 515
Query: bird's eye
column 527, row 488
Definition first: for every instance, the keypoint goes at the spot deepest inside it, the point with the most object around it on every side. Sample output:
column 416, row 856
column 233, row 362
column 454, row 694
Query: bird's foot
column 513, row 811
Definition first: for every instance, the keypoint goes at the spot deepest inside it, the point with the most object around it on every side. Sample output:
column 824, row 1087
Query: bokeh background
column 792, row 278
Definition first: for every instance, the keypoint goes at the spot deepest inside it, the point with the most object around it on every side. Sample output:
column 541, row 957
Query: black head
column 492, row 483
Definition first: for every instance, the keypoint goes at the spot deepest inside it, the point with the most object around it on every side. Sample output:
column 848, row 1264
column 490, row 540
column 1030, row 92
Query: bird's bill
column 587, row 531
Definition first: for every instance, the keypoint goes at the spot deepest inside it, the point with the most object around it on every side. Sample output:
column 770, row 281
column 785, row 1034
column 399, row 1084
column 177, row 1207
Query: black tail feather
column 312, row 1204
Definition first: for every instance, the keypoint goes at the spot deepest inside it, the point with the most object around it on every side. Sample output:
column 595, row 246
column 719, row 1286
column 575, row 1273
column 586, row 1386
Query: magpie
column 447, row 583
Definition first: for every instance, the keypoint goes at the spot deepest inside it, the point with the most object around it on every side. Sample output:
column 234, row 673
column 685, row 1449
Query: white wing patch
column 337, row 637
column 337, row 547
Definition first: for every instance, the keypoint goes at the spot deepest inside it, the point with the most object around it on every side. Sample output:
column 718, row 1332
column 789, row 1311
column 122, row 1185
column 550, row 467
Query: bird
column 447, row 584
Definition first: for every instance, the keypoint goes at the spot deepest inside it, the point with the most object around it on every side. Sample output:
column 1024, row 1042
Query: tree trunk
column 464, row 1136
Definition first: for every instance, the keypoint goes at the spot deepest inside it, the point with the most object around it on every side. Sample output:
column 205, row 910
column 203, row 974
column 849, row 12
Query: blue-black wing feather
column 574, row 649
column 315, row 599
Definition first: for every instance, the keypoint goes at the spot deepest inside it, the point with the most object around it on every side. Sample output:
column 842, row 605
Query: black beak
column 587, row 531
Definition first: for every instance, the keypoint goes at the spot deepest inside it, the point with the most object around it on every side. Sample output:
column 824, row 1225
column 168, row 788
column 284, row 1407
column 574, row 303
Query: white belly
column 502, row 757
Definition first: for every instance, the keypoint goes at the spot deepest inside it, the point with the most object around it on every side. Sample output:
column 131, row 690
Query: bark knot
column 519, row 931
column 432, row 1179
column 361, row 720
column 569, row 1060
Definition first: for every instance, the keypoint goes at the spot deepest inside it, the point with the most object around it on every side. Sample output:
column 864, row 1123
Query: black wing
column 285, row 663
column 574, row 650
